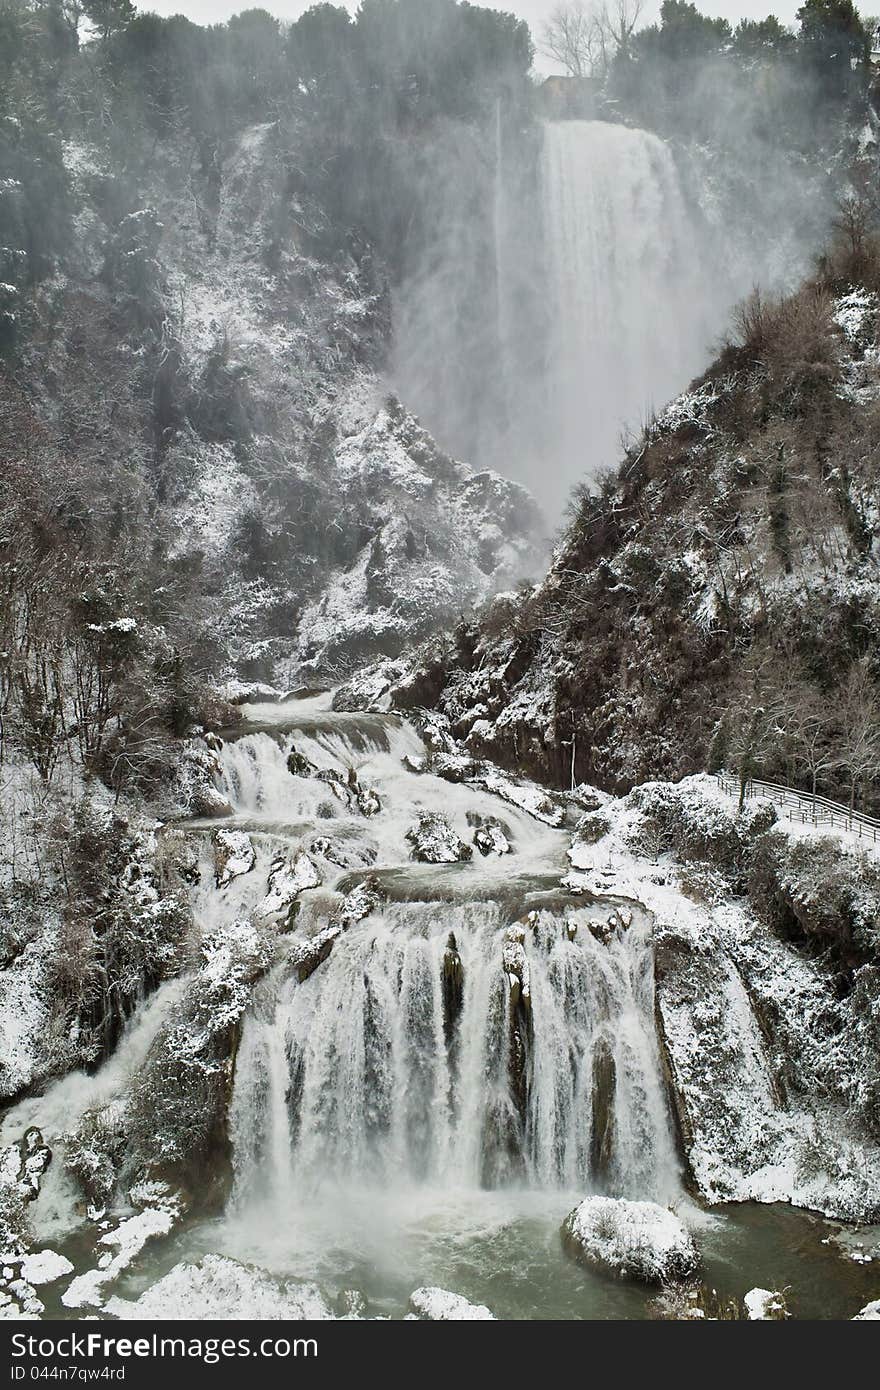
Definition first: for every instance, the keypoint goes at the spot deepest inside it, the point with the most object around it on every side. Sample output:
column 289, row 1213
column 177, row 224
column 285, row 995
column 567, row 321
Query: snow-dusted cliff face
column 245, row 332
column 732, row 559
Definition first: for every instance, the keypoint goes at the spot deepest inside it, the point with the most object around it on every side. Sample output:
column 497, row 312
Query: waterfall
column 589, row 274
column 454, row 1039
column 373, row 1072
column 625, row 325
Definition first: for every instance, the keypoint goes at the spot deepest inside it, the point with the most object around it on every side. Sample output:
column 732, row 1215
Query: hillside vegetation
column 714, row 601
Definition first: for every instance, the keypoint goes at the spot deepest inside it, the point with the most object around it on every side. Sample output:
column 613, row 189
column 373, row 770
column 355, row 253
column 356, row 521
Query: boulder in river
column 298, row 764
column 490, row 838
column 439, row 1305
column 287, row 879
column 434, row 841
column 360, row 902
column 630, row 1240
column 309, row 952
column 234, row 855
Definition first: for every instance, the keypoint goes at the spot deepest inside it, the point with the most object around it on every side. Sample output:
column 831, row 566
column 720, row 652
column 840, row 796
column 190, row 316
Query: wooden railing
column 804, row 808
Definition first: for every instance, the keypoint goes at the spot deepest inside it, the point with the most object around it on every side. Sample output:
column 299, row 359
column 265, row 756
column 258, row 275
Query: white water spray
column 626, row 328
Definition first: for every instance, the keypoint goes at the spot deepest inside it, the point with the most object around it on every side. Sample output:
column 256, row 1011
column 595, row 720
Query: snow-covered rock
column 308, row 952
column 117, row 1249
column 434, row 841
column 490, row 838
column 45, row 1267
column 219, row 1288
column 439, row 1305
column 234, row 855
column 630, row 1240
column 287, row 879
column 360, row 902
column 764, row 1305
column 515, row 963
column 544, row 805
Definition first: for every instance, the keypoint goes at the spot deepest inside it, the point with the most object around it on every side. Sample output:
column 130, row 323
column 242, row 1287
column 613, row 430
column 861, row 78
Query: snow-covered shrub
column 689, row 1303
column 176, row 1118
column 592, row 827
column 94, row 1154
column 120, row 933
column 813, row 891
column 132, row 268
column 691, row 821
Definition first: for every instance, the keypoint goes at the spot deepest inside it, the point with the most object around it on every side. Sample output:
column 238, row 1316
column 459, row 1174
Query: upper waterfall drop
column 625, row 329
column 568, row 288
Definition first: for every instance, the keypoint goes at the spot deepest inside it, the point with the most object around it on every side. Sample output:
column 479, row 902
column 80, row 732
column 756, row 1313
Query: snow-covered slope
column 771, row 1045
column 731, row 565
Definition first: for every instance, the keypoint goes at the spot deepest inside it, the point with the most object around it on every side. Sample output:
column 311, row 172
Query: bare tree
column 616, row 21
column 570, row 37
column 859, row 728
column 584, row 39
column 809, row 725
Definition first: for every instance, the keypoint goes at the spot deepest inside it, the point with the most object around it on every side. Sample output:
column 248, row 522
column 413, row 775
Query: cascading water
column 374, row 1071
column 465, row 1043
column 601, row 301
column 626, row 328
column 427, row 1102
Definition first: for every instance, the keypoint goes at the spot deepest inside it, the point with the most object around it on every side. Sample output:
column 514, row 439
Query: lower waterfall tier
column 439, row 1044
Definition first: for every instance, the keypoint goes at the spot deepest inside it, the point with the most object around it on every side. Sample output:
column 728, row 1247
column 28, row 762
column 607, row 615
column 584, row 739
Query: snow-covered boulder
column 765, row 1305
column 439, row 1305
column 287, row 879
column 217, row 1288
column 630, row 1240
column 490, row 838
column 870, row 1312
column 45, row 1267
column 435, row 842
column 298, row 764
column 311, row 951
column 360, row 902
column 234, row 855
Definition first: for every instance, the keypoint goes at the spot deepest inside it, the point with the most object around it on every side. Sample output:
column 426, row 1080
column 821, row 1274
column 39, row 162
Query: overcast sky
column 535, row 11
